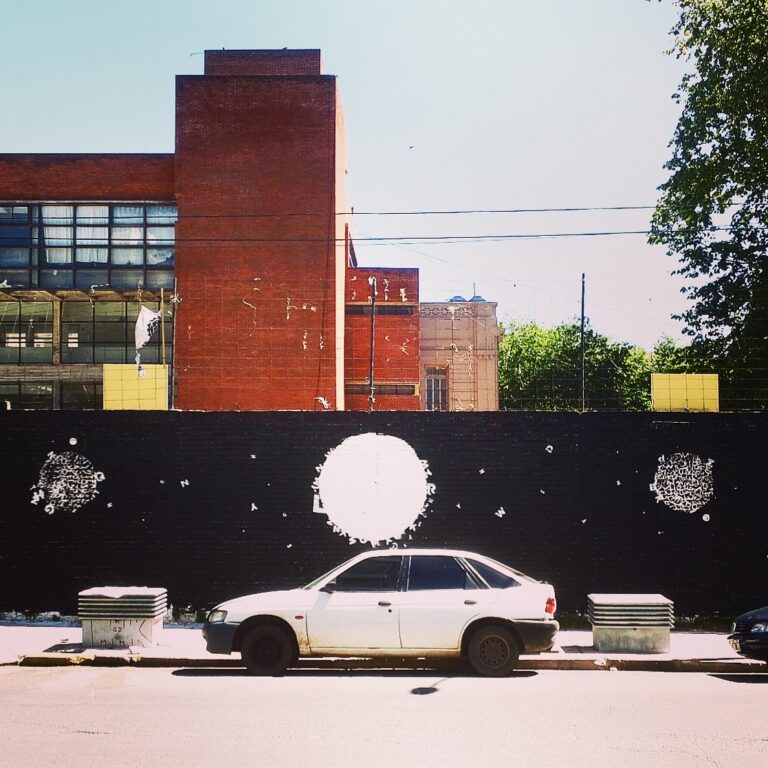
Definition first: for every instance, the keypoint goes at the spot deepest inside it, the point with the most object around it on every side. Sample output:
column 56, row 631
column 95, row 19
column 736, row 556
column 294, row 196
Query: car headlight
column 761, row 627
column 216, row 616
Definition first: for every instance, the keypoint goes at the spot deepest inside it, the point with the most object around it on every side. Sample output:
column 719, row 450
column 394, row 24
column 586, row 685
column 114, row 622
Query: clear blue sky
column 449, row 105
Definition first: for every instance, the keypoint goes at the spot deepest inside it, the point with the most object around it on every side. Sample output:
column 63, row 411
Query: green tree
column 713, row 210
column 668, row 357
column 540, row 369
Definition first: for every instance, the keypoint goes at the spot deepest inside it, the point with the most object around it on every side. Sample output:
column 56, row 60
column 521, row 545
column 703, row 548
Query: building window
column 104, row 332
column 63, row 247
column 381, row 309
column 380, row 389
column 26, row 332
column 26, row 395
column 436, row 395
column 82, row 396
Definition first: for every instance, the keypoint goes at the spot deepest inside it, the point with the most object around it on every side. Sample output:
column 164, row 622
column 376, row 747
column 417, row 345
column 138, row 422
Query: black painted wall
column 176, row 505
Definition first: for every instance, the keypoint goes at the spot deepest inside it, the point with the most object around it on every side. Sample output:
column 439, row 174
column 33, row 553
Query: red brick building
column 244, row 226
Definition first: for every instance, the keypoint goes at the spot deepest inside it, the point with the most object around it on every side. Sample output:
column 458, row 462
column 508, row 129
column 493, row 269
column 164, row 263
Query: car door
column 360, row 610
column 441, row 596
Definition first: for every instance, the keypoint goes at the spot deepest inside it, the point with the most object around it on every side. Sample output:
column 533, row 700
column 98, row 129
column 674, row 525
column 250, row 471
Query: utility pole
column 583, row 376
column 372, row 395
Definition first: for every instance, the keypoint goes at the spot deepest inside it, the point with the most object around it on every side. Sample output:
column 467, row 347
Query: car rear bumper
column 219, row 636
column 537, row 636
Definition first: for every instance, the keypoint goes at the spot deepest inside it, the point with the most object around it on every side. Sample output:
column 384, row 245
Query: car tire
column 493, row 651
column 268, row 650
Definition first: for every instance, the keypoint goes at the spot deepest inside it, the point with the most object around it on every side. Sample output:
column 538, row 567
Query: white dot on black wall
column 706, row 518
column 386, row 472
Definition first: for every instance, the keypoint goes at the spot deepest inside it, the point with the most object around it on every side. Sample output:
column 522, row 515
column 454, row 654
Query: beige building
column 459, row 352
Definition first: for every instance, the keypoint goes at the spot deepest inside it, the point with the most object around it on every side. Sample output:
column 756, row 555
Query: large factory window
column 89, row 247
column 26, row 332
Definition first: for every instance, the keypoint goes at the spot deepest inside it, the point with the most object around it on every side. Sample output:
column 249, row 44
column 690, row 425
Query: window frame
column 470, row 574
column 58, row 244
column 101, row 350
column 470, row 564
column 399, row 585
column 436, row 382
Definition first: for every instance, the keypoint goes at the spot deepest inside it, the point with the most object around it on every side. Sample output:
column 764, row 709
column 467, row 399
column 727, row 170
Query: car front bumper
column 537, row 636
column 753, row 646
column 219, row 636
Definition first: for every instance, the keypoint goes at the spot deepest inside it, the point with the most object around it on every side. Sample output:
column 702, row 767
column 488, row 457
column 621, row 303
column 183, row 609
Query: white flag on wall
column 146, row 325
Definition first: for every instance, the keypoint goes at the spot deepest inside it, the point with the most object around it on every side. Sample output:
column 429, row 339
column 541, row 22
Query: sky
column 450, row 105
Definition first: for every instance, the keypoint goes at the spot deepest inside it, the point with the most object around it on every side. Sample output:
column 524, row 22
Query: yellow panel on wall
column 125, row 390
column 685, row 392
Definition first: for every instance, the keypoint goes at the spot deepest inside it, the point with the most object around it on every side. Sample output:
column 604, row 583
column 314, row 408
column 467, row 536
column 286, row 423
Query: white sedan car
column 393, row 603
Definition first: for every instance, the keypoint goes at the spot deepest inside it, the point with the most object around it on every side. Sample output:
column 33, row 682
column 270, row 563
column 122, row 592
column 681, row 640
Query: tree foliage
column 540, row 369
column 713, row 210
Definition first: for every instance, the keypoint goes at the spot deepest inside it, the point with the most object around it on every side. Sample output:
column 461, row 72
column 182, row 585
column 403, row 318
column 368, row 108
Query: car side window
column 377, row 574
column 438, row 572
column 496, row 579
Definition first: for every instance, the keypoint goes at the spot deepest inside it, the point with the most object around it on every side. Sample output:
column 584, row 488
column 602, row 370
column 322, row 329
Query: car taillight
column 551, row 606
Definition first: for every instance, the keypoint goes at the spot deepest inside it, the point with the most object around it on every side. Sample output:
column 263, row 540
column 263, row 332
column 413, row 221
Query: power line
column 416, row 239
column 447, row 212
column 352, row 212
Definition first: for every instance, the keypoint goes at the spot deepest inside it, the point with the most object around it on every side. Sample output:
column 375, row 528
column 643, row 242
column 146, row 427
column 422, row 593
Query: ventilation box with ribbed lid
column 630, row 623
column 118, row 617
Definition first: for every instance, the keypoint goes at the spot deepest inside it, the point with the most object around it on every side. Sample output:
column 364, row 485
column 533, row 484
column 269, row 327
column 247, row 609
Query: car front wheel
column 267, row 650
column 493, row 651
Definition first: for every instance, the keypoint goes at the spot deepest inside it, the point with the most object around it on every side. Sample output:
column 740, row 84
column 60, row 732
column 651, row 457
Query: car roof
column 421, row 551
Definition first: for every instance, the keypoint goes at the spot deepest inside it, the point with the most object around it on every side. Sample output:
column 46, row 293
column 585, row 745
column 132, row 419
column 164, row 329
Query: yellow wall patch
column 685, row 392
column 125, row 390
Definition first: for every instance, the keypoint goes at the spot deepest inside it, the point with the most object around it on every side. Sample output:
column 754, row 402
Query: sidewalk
column 29, row 645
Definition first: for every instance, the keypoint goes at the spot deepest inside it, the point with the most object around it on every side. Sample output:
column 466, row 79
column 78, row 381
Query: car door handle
column 470, row 602
column 384, row 603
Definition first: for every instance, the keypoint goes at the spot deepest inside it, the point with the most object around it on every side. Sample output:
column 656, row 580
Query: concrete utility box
column 116, row 617
column 630, row 623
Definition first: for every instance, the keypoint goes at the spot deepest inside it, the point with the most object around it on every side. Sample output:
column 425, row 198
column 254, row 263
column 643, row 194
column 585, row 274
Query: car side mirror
column 330, row 587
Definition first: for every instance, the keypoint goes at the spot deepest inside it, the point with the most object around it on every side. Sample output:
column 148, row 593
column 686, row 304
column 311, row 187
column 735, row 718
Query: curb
column 648, row 665
column 581, row 664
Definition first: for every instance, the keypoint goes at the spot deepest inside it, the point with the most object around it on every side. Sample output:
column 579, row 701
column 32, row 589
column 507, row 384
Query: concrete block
column 122, row 633
column 631, row 639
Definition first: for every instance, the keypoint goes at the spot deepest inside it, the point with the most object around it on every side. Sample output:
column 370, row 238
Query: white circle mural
column 684, row 482
column 67, row 481
column 373, row 488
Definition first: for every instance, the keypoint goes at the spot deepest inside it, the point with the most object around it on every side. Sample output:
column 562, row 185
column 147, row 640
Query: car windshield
column 312, row 584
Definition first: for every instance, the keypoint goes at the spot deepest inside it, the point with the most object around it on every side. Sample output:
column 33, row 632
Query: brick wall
column 263, row 62
column 255, row 176
column 396, row 336
column 111, row 177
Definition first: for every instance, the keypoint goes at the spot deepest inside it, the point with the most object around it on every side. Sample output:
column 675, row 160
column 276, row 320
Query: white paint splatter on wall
column 373, row 488
column 67, row 482
column 683, row 482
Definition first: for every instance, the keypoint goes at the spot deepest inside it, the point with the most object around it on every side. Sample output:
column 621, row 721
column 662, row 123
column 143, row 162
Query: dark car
column 749, row 634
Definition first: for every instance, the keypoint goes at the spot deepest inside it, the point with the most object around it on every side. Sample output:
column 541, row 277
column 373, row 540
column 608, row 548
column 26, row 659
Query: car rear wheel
column 268, row 650
column 493, row 651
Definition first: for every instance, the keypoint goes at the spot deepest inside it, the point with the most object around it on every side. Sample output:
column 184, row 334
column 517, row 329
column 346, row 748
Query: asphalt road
column 149, row 717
